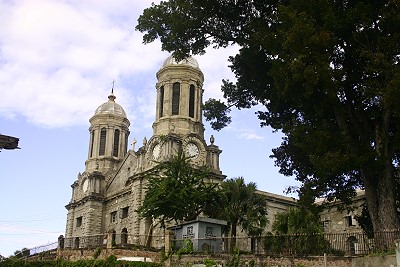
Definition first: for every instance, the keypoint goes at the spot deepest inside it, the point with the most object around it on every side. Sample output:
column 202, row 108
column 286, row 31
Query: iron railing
column 340, row 244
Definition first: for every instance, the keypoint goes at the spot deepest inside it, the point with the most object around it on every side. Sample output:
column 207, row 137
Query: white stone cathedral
column 107, row 194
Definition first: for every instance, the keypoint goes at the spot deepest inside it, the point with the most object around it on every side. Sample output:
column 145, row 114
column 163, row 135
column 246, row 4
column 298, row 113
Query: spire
column 112, row 97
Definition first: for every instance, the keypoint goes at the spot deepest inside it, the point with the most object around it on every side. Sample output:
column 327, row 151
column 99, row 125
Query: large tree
column 327, row 73
column 177, row 191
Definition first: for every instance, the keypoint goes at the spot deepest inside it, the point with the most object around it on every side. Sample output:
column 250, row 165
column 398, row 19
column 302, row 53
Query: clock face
column 157, row 151
column 192, row 150
column 85, row 185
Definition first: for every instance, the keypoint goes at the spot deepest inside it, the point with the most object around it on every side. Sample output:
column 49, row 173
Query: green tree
column 299, row 230
column 328, row 74
column 241, row 206
column 177, row 191
column 297, row 221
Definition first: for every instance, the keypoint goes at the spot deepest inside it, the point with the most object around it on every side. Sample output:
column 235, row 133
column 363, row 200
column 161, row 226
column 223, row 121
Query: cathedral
column 107, row 194
column 112, row 187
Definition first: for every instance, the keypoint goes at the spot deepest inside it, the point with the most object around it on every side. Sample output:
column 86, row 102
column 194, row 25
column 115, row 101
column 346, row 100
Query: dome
column 190, row 61
column 110, row 107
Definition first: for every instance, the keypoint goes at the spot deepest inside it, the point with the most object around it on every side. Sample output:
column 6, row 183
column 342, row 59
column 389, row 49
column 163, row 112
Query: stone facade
column 106, row 195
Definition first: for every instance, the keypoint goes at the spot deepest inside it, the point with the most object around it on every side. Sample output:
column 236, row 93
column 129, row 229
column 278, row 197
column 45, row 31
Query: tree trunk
column 381, row 199
column 233, row 237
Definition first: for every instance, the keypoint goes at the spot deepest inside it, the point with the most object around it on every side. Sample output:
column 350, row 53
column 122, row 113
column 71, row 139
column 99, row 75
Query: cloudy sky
column 58, row 59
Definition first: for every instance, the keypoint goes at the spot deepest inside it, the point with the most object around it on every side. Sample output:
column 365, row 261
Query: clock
column 192, row 150
column 85, row 185
column 157, row 151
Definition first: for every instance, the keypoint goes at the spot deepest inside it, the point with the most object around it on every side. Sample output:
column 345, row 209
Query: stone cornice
column 92, row 197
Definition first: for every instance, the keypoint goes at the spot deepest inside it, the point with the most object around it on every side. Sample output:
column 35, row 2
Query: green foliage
column 298, row 231
column 187, row 247
column 177, row 191
column 234, row 259
column 209, row 262
column 111, row 260
column 297, row 221
column 96, row 253
column 240, row 205
column 327, row 74
column 216, row 112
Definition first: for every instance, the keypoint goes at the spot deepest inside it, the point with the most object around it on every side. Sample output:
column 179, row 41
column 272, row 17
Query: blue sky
column 58, row 59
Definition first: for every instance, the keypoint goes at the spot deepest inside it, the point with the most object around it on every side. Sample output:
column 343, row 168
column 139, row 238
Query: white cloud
column 250, row 135
column 59, row 58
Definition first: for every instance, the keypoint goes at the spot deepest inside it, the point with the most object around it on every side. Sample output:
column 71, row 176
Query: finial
column 212, row 139
column 144, row 141
column 112, row 96
column 133, row 144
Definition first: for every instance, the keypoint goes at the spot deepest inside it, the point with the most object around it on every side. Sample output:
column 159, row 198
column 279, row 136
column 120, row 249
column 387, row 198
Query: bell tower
column 179, row 98
column 109, row 131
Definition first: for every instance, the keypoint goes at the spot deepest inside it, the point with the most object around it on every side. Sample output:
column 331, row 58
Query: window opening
column 116, row 143
column 113, row 217
column 79, row 221
column 191, row 101
column 161, row 110
column 123, row 213
column 91, row 143
column 103, row 136
column 176, row 94
column 209, row 231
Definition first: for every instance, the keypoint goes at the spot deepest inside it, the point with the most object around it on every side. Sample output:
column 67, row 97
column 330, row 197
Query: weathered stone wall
column 80, row 254
column 222, row 259
column 380, row 261
column 262, row 261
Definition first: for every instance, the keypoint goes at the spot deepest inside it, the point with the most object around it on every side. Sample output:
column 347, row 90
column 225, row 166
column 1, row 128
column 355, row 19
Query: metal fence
column 117, row 240
column 340, row 244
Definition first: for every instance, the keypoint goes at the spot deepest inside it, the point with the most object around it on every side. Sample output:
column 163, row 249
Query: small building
column 205, row 234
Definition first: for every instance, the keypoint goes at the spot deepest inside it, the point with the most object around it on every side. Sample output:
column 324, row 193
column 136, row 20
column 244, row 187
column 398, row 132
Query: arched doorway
column 113, row 238
column 76, row 242
column 124, row 236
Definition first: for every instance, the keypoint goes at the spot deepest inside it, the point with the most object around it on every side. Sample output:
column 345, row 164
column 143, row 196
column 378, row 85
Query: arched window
column 191, row 101
column 116, row 143
column 103, row 136
column 91, row 143
column 176, row 94
column 161, row 110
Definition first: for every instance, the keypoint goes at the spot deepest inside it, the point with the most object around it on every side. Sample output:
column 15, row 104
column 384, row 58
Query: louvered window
column 102, row 147
column 161, row 110
column 116, row 143
column 176, row 93
column 191, row 101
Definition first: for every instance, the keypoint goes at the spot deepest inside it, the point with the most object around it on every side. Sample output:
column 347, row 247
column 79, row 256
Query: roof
column 200, row 219
column 110, row 107
column 190, row 61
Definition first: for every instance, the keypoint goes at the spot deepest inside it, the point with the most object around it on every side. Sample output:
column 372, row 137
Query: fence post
column 397, row 242
column 60, row 245
column 169, row 236
column 109, row 239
